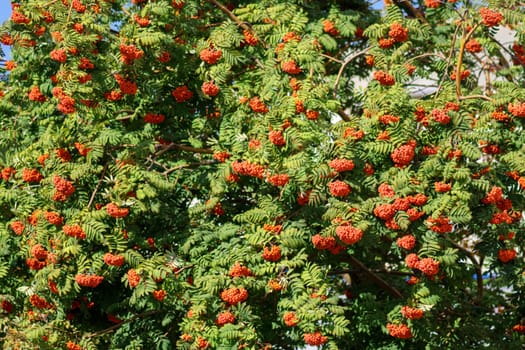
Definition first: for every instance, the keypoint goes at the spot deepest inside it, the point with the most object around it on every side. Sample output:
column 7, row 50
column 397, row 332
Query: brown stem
column 343, row 66
column 464, row 38
column 92, row 198
column 189, row 165
column 231, row 15
column 477, row 265
column 408, row 7
column 449, row 60
column 470, row 97
column 112, row 328
column 183, row 148
column 374, row 277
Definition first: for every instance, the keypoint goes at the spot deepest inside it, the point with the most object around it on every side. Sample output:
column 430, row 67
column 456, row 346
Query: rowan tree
column 262, row 175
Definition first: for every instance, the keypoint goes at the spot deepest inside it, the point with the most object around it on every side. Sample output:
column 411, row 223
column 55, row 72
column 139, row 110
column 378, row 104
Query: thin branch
column 118, row 325
column 345, row 63
column 231, row 15
column 374, row 277
column 477, row 265
column 464, row 39
column 449, row 60
column 410, row 9
column 189, row 165
column 186, row 148
column 331, row 58
column 92, row 198
column 471, row 97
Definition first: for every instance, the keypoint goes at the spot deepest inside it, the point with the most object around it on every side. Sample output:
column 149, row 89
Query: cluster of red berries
column 384, row 78
column 315, row 339
column 115, row 211
column 442, row 187
column 291, row 67
column 403, row 155
column 142, row 21
column 489, row 17
column 238, row 270
column 224, row 317
column 440, row 224
column 257, row 105
column 400, row 331
column 74, row 231
column 329, row 27
column 247, row 168
column 464, row 74
column 39, row 252
column 91, row 281
column 518, row 57
column 290, row 319
column 341, row 164
column 440, row 116
column 221, row 156
column 473, row 46
column 406, row 242
column 73, row 346
column 386, row 191
column 159, row 294
column 133, row 278
column 17, row 227
column 234, row 295
column 520, row 328
column 85, row 64
column 323, row 243
column 506, row 255
column 58, row 55
column 31, row 176
column 276, row 137
column 517, row 109
column 63, row 189
column 428, row 266
column 398, row 32
column 210, row 89
column 182, row 94
column 129, row 53
column 126, row 86
column 63, row 154
column 114, row 259
column 339, row 188
column 66, row 104
column 412, row 313
column 39, row 302
column 272, row 253
column 210, row 56
column 388, row 119
column 278, row 180
column 349, row 234
column 35, row 94
column 249, row 38
column 152, row 118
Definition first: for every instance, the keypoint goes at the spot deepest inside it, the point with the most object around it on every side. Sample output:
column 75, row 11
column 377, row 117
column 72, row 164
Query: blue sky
column 5, row 13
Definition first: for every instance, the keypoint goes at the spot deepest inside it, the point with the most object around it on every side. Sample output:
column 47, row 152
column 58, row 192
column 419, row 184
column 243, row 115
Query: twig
column 449, row 59
column 189, row 165
column 92, row 198
column 231, row 15
column 331, row 58
column 477, row 265
column 183, row 148
column 374, row 277
column 118, row 325
column 464, row 39
column 343, row 66
column 407, row 6
column 471, row 97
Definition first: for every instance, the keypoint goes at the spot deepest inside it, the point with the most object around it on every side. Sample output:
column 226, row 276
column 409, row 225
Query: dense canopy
column 265, row 174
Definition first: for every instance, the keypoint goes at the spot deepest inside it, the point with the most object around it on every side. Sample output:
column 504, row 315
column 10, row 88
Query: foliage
column 262, row 174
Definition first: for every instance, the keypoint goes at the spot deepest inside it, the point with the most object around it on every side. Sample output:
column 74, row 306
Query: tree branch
column 92, row 198
column 118, row 325
column 189, row 165
column 180, row 147
column 477, row 265
column 374, row 277
column 411, row 10
column 343, row 66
